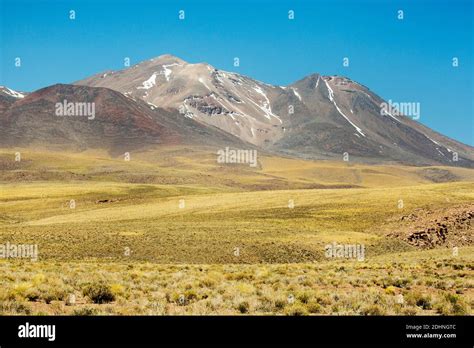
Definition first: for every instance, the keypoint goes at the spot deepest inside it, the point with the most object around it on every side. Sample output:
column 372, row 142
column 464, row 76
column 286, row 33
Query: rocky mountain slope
column 166, row 100
column 8, row 97
column 316, row 117
column 118, row 123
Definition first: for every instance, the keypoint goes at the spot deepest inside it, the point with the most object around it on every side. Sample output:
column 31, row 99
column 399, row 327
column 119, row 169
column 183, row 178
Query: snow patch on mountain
column 384, row 112
column 331, row 98
column 167, row 72
column 435, row 142
column 265, row 107
column 204, row 83
column 149, row 83
column 152, row 106
column 296, row 93
column 12, row 93
column 128, row 95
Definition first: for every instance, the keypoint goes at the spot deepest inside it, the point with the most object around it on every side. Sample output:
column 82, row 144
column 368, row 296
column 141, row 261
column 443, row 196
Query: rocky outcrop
column 443, row 227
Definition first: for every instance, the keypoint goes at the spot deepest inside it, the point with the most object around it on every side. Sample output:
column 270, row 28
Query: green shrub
column 280, row 304
column 53, row 294
column 303, row 297
column 454, row 306
column 424, row 302
column 451, row 298
column 32, row 295
column 243, row 307
column 460, row 309
column 99, row 292
column 420, row 300
column 396, row 282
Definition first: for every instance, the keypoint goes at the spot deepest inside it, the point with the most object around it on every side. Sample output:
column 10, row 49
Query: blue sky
column 407, row 60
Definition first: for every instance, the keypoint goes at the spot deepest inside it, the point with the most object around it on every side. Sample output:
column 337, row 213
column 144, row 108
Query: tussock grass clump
column 85, row 311
column 118, row 290
column 396, row 282
column 373, row 309
column 314, row 308
column 57, row 294
column 296, row 309
column 182, row 298
column 416, row 298
column 190, row 295
column 20, row 292
column 99, row 292
column 324, row 299
column 15, row 307
column 452, row 304
column 239, row 276
column 303, row 297
column 207, row 282
column 280, row 304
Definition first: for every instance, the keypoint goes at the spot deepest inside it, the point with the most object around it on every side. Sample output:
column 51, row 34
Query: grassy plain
column 113, row 238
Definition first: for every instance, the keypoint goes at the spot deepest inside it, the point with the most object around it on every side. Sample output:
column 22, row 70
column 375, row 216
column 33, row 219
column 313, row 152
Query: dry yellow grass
column 416, row 283
column 236, row 246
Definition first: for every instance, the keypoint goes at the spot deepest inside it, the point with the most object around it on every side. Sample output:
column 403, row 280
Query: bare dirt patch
column 438, row 175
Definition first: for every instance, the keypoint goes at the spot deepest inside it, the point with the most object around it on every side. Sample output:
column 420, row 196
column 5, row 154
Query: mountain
column 118, row 123
column 168, row 101
column 316, row 117
column 335, row 114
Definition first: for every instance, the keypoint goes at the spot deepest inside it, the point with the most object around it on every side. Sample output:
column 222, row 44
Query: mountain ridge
column 316, row 117
column 329, row 116
column 119, row 124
